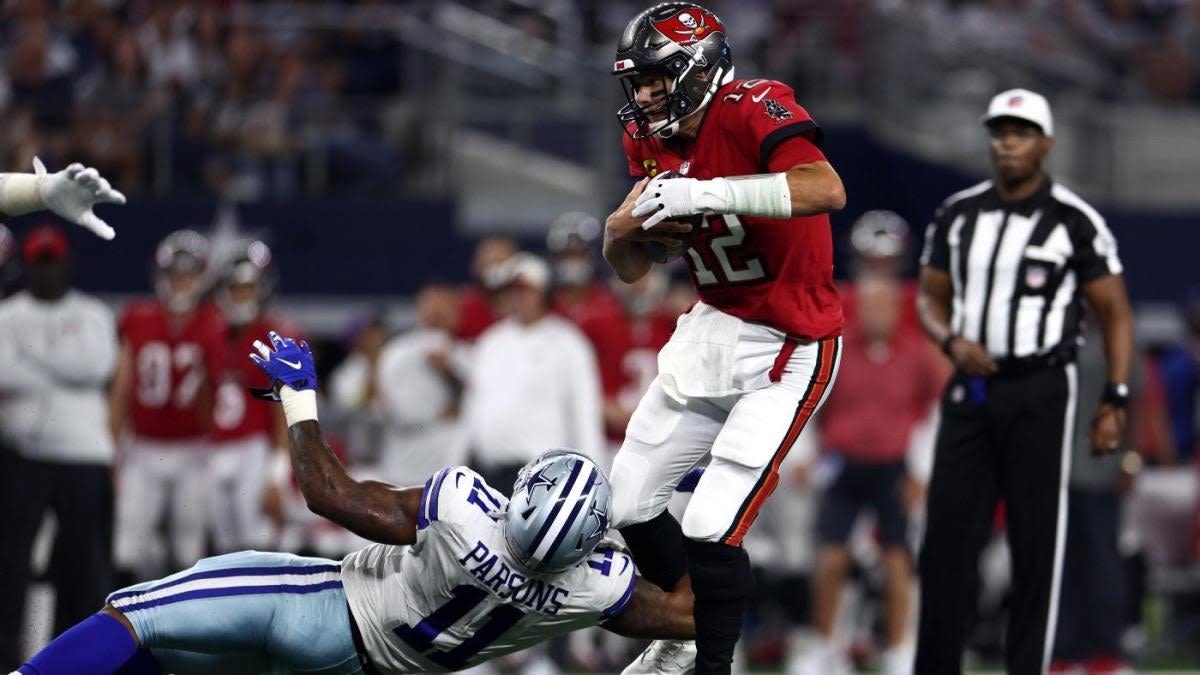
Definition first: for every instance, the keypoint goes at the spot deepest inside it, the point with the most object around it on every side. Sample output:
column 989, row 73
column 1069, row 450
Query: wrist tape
column 298, row 406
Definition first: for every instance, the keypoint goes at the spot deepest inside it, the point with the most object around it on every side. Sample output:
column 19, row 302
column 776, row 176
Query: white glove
column 72, row 192
column 664, row 199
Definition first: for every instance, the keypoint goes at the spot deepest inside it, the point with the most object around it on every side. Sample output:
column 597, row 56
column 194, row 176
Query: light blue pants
column 246, row 612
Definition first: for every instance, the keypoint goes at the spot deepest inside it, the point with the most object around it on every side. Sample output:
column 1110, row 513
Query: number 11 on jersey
column 463, row 599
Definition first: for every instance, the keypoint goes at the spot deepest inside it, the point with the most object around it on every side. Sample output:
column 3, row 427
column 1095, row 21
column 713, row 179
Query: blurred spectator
column 573, row 242
column 420, row 390
column 1092, row 602
column 249, row 434
column 478, row 302
column 354, row 385
column 172, row 357
column 58, row 348
column 1180, row 368
column 887, row 384
column 533, row 382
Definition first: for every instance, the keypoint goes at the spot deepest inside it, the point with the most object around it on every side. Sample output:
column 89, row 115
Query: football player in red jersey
column 172, row 348
column 570, row 242
column 246, row 429
column 627, row 337
column 748, row 366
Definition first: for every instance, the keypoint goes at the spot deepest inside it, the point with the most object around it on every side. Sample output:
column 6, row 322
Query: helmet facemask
column 684, row 44
column 689, row 89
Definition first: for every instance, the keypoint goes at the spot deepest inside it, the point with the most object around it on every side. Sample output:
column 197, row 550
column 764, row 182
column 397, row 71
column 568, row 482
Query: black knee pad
column 658, row 549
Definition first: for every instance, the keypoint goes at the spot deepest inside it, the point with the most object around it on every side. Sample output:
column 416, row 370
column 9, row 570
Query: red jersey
column 237, row 414
column 880, row 396
column 475, row 314
column 776, row 271
column 626, row 353
column 910, row 322
column 174, row 362
column 598, row 298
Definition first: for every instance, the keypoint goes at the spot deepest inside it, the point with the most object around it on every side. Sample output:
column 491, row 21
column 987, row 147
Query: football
column 663, row 253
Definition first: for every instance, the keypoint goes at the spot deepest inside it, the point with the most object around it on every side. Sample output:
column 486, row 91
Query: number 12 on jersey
column 720, row 261
column 463, row 599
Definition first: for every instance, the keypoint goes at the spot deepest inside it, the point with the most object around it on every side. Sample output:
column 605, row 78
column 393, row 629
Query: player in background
column 627, row 337
column 478, row 302
column 571, row 245
column 172, row 351
column 460, row 575
column 879, row 245
column 751, row 363
column 249, row 468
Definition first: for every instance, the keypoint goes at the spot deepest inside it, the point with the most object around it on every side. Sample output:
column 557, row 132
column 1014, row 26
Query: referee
column 1004, row 269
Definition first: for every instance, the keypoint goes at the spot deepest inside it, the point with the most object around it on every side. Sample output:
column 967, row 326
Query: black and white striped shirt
column 1018, row 267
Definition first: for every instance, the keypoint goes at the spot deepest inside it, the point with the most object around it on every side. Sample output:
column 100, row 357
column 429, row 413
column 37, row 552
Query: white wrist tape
column 765, row 195
column 298, row 406
column 19, row 194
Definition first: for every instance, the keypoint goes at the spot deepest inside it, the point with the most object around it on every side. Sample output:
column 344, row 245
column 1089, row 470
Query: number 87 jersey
column 457, row 598
column 778, row 272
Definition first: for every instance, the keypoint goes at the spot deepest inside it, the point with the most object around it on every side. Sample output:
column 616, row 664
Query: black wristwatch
column 1116, row 394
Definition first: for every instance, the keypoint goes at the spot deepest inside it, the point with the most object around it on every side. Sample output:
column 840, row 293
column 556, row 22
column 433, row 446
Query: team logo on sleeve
column 689, row 26
column 650, row 166
column 776, row 111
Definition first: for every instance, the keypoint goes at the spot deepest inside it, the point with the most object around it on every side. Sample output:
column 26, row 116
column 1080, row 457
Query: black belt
column 359, row 647
column 1059, row 356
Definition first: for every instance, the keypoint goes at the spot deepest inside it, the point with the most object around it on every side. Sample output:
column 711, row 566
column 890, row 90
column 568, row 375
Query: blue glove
column 289, row 364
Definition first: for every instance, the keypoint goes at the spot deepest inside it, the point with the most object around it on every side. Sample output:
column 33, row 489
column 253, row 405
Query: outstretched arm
column 656, row 614
column 371, row 509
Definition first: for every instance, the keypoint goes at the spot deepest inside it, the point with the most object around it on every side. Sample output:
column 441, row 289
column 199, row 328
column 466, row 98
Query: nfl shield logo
column 958, row 393
column 1035, row 277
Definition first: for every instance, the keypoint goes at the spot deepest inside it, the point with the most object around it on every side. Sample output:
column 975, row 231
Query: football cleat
column 665, row 657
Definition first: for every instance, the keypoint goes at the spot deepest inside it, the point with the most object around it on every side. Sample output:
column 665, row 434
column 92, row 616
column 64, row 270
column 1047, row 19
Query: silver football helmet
column 558, row 511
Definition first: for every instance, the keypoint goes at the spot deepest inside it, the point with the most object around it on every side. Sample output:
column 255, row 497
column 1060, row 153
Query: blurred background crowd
column 417, row 187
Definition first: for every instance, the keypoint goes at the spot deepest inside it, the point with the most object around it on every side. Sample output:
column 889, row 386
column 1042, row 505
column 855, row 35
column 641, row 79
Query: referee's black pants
column 1003, row 437
column 81, row 496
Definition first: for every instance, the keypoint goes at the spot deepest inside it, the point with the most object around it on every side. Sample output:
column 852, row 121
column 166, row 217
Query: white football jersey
column 457, row 598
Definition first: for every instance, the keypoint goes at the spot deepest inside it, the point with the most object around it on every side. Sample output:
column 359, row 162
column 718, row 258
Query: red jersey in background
column 881, row 394
column 176, row 360
column 626, row 354
column 236, row 413
column 475, row 314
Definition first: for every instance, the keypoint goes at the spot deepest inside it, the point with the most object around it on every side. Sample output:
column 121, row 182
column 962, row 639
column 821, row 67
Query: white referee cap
column 1022, row 104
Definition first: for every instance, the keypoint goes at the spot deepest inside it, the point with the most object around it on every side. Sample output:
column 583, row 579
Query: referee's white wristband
column 298, row 406
column 764, row 195
column 19, row 194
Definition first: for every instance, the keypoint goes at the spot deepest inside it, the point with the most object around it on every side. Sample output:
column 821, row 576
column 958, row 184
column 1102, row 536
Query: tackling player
column 749, row 365
column 172, row 350
column 484, row 576
column 248, row 435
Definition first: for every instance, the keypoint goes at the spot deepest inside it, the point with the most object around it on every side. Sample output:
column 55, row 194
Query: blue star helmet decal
column 601, row 520
column 540, row 479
